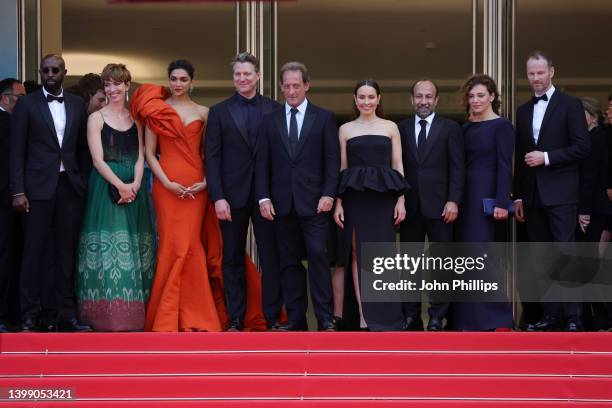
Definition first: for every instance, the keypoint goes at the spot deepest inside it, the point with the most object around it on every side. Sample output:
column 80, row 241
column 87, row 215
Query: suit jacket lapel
column 309, row 119
column 552, row 105
column 432, row 137
column 283, row 133
column 43, row 106
column 234, row 109
column 411, row 142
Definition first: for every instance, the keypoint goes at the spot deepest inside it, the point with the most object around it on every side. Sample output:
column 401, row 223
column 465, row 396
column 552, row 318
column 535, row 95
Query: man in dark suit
column 49, row 167
column 552, row 139
column 432, row 151
column 298, row 160
column 231, row 143
column 10, row 92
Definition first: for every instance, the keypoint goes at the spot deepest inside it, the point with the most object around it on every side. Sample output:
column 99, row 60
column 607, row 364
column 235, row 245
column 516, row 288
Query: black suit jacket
column 5, row 129
column 303, row 179
column 594, row 176
column 35, row 150
column 229, row 154
column 438, row 176
column 564, row 136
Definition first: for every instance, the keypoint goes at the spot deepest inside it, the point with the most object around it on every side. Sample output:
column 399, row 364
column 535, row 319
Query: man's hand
column 534, row 159
column 519, row 213
column 21, row 203
column 500, row 214
column 325, row 204
column 267, row 210
column 450, row 212
column 223, row 210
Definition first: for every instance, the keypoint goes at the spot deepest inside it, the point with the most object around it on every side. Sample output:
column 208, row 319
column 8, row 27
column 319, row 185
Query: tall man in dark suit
column 298, row 161
column 49, row 167
column 231, row 143
column 10, row 92
column 432, row 151
column 552, row 138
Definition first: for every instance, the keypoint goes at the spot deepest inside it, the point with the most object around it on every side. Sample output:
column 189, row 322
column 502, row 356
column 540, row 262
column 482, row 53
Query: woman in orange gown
column 187, row 292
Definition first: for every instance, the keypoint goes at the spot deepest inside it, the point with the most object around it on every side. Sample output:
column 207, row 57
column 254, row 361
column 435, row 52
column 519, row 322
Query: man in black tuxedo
column 10, row 92
column 433, row 155
column 298, row 160
column 49, row 167
column 552, row 139
column 231, row 143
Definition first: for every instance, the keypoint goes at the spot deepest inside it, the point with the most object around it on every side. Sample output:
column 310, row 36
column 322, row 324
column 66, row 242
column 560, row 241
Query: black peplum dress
column 369, row 188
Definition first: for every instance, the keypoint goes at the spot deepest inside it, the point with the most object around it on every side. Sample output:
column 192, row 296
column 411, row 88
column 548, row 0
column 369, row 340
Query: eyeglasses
column 46, row 70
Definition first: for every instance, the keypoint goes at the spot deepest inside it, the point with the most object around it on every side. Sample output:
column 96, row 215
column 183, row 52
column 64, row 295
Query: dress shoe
column 3, row 327
column 294, row 326
column 72, row 325
column 327, row 327
column 435, row 324
column 28, row 325
column 414, row 324
column 46, row 326
column 574, row 327
column 235, row 325
column 274, row 326
column 547, row 324
column 338, row 322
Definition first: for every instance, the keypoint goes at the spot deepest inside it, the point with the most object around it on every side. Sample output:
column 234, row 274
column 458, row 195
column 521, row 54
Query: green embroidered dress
column 116, row 250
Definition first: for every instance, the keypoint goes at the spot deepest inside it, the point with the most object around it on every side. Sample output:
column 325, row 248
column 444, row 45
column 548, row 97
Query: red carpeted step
column 318, row 387
column 311, row 363
column 509, row 341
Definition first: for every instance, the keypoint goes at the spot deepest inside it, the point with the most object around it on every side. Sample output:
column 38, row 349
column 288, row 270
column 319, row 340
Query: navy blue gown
column 489, row 147
column 369, row 188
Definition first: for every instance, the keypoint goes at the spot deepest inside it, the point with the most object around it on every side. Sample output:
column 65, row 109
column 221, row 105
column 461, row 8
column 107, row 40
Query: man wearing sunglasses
column 10, row 91
column 49, row 168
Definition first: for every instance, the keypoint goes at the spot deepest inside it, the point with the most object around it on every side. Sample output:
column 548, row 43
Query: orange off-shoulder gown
column 187, row 292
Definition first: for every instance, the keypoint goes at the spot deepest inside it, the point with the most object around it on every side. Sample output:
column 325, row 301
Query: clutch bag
column 113, row 192
column 488, row 205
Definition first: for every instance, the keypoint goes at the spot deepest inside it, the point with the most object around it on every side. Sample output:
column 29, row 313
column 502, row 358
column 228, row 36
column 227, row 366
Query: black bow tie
column 252, row 101
column 537, row 99
column 51, row 98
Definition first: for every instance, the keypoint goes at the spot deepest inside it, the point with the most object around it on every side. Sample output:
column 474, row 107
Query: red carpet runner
column 430, row 370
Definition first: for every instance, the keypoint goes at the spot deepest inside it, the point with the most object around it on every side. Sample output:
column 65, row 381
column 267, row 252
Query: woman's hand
column 339, row 214
column 583, row 221
column 500, row 214
column 126, row 193
column 399, row 213
column 178, row 189
column 197, row 187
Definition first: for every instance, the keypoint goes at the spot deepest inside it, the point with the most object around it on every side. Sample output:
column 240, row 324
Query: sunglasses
column 55, row 70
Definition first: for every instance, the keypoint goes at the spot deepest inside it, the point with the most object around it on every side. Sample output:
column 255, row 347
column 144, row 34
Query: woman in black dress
column 371, row 201
column 489, row 146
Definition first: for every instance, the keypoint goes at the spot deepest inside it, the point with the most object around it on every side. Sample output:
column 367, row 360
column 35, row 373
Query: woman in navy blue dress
column 489, row 146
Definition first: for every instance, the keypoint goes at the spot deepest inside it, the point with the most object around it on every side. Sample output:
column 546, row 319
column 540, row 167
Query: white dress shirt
column 2, row 109
column 417, row 126
column 58, row 112
column 299, row 116
column 539, row 110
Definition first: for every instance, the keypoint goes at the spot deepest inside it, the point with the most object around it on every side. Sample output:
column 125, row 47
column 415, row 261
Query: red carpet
column 430, row 370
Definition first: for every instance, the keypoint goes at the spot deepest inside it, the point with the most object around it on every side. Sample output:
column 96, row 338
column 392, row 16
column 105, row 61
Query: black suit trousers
column 293, row 233
column 51, row 233
column 414, row 229
column 10, row 251
column 234, row 271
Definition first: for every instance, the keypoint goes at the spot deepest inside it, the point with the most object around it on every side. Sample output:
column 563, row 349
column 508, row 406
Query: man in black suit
column 10, row 92
column 433, row 155
column 298, row 161
column 552, row 139
column 231, row 143
column 49, row 167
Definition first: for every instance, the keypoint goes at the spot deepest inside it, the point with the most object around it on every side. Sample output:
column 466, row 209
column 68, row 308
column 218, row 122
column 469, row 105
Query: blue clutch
column 488, row 205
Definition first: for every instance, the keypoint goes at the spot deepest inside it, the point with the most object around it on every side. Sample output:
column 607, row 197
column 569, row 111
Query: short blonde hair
column 116, row 72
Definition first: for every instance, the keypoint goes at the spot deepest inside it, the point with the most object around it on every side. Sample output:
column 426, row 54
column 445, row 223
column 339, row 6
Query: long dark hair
column 368, row 82
column 487, row 82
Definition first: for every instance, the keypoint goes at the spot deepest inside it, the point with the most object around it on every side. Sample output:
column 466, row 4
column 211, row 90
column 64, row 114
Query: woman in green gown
column 116, row 249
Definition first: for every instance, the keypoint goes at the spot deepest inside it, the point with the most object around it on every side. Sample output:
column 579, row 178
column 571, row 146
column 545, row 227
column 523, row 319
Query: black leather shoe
column 546, row 324
column 47, row 326
column 235, row 325
column 435, row 324
column 72, row 325
column 327, row 327
column 414, row 324
column 274, row 326
column 294, row 326
column 28, row 325
column 3, row 327
column 338, row 322
column 575, row 327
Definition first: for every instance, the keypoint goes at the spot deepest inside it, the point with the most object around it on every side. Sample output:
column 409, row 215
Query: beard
column 423, row 111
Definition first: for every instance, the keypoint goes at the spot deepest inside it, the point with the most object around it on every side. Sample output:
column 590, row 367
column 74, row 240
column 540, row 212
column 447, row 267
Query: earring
column 127, row 96
column 190, row 89
column 106, row 99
